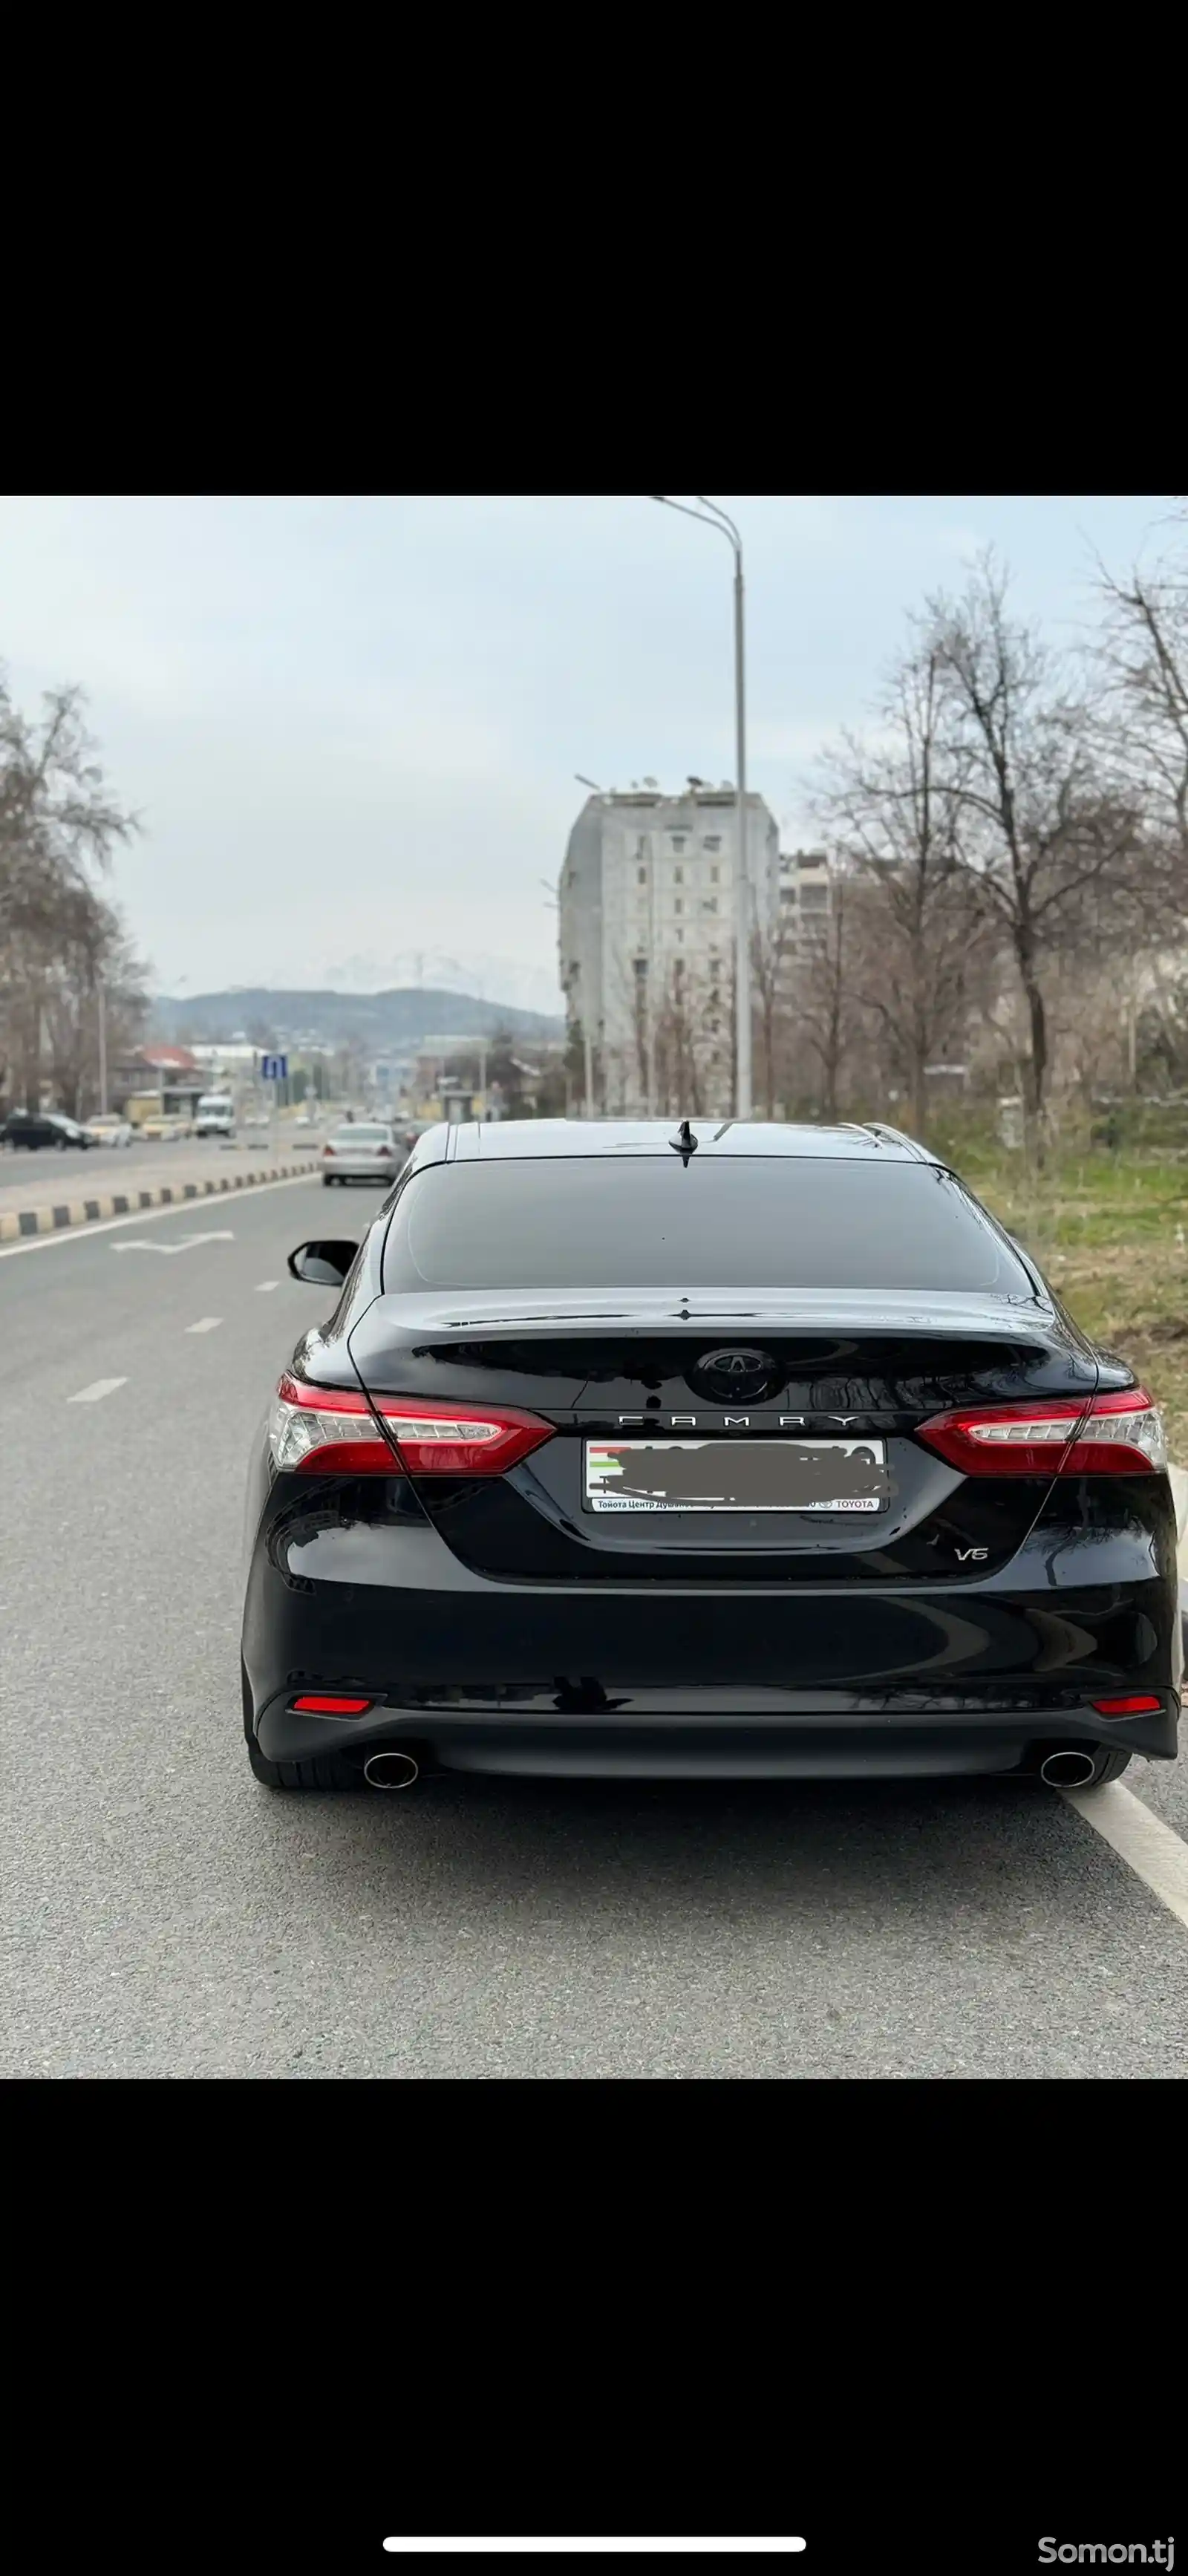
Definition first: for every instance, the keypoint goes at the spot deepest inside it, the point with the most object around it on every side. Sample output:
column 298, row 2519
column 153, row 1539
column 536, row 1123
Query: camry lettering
column 728, row 1421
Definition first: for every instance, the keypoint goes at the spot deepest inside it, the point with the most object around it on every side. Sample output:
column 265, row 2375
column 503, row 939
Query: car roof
column 506, row 1140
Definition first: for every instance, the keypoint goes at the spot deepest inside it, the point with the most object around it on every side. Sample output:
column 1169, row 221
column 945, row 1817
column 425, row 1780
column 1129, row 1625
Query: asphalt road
column 119, row 1167
column 19, row 1164
column 168, row 1916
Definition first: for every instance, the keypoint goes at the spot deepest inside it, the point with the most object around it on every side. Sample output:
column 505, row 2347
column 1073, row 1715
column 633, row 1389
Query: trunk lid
column 819, row 1367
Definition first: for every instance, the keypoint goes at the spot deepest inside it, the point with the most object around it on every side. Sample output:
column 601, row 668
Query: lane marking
column 145, row 1216
column 93, row 1394
column 263, row 1286
column 1152, row 1849
column 205, row 1324
column 186, row 1244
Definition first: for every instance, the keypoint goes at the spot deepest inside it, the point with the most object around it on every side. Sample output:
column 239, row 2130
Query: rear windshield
column 765, row 1223
column 363, row 1136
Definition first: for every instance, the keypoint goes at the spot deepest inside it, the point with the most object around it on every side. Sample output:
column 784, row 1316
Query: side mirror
column 322, row 1265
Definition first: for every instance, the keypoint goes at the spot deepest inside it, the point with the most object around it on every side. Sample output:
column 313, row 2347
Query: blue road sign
column 274, row 1068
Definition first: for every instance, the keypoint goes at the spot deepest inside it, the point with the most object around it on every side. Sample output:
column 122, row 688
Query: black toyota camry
column 738, row 1451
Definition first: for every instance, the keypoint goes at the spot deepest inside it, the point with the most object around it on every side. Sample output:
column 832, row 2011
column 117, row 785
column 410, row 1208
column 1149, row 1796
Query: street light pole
column 102, row 998
column 713, row 517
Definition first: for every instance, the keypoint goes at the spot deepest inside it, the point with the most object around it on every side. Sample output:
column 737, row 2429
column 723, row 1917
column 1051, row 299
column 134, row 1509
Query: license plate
column 736, row 1476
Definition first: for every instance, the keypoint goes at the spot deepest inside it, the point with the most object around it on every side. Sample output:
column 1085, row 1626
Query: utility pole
column 712, row 516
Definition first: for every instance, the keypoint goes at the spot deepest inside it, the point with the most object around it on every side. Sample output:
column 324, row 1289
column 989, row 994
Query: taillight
column 1120, row 1435
column 327, row 1149
column 330, row 1431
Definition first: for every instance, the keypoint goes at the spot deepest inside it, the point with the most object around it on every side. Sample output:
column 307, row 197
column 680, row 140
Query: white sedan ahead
column 107, row 1131
column 362, row 1153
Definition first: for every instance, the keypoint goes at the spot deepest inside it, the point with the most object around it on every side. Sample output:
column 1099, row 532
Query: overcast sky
column 351, row 726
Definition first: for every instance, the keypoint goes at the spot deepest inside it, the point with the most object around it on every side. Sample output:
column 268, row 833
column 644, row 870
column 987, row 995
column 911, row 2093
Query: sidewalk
column 125, row 1182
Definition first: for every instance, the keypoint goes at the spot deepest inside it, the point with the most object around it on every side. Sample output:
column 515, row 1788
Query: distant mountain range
column 399, row 1020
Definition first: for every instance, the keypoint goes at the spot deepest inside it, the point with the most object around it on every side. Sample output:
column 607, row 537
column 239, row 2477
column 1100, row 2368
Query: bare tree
column 771, row 975
column 59, row 824
column 91, row 950
column 923, row 936
column 1043, row 834
column 823, row 1000
column 1144, row 654
column 689, row 1051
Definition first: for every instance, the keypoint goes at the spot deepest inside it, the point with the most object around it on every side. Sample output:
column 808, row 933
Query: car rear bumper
column 755, row 1681
column 812, row 1743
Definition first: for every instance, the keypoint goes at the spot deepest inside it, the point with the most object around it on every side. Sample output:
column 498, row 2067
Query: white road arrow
column 185, row 1243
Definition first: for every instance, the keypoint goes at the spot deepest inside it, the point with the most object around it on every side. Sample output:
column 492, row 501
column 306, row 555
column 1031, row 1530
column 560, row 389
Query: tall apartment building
column 646, row 929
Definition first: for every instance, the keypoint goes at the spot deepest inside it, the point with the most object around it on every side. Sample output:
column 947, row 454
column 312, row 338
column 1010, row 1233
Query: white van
column 215, row 1115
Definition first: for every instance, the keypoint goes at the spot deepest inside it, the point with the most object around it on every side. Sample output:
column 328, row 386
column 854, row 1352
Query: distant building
column 806, row 902
column 228, row 1057
column 170, row 1077
column 646, row 928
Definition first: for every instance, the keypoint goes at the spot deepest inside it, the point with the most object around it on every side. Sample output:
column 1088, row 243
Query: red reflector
column 317, row 1706
column 1137, row 1707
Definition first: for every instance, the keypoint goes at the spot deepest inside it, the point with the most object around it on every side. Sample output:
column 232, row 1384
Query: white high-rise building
column 646, row 926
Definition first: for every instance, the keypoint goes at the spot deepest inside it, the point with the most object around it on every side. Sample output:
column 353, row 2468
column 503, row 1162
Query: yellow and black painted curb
column 16, row 1223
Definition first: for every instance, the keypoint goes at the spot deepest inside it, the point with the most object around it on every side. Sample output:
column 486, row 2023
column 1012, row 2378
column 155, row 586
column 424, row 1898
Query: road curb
column 19, row 1223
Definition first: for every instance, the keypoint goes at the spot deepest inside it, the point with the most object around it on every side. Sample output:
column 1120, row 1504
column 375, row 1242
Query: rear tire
column 1111, row 1767
column 322, row 1771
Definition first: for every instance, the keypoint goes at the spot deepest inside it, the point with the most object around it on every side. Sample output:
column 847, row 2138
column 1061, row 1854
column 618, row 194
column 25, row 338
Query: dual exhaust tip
column 391, row 1770
column 1072, row 1768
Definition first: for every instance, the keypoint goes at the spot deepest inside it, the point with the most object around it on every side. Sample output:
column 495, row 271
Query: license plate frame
column 739, row 1476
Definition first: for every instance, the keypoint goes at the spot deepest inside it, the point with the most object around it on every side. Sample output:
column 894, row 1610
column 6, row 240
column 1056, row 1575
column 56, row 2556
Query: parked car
column 105, row 1130
column 362, row 1153
column 770, row 1456
column 35, row 1128
column 164, row 1131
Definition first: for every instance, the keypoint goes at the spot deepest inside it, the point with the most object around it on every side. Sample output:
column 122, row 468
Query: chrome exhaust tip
column 390, row 1770
column 1071, row 1769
